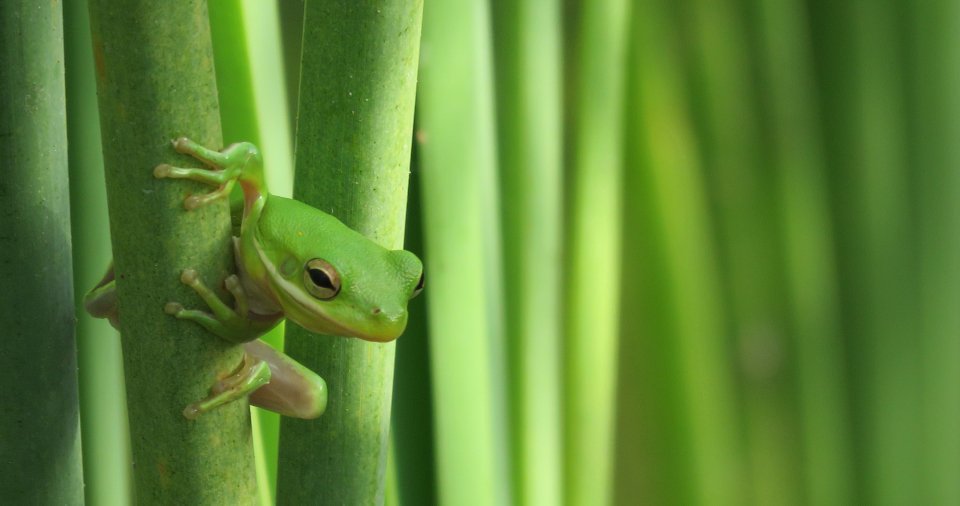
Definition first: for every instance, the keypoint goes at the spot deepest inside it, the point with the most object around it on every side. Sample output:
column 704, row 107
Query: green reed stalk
column 678, row 429
column 859, row 53
column 40, row 461
column 783, row 49
column 592, row 265
column 462, row 245
column 932, row 69
column 155, row 80
column 358, row 80
column 743, row 194
column 103, row 410
column 527, row 56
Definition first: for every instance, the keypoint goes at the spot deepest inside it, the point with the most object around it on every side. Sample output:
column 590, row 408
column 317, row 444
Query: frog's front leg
column 235, row 324
column 293, row 390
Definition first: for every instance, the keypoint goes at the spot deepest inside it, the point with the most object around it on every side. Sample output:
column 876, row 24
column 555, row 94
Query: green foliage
column 40, row 461
column 155, row 82
column 355, row 120
column 693, row 252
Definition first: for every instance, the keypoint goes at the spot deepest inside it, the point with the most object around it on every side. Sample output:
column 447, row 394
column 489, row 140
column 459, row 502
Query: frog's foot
column 232, row 324
column 219, row 178
column 253, row 374
column 227, row 167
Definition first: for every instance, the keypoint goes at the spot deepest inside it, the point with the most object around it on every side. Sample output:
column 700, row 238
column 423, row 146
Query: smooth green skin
column 279, row 240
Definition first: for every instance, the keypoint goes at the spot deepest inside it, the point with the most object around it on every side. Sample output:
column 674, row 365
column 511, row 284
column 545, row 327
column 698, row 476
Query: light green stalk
column 592, row 266
column 40, row 460
column 462, row 245
column 155, row 82
column 678, row 437
column 103, row 409
column 358, row 81
column 530, row 146
column 783, row 49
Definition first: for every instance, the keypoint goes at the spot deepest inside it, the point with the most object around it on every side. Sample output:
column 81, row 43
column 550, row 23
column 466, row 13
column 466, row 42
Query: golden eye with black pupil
column 321, row 279
column 419, row 288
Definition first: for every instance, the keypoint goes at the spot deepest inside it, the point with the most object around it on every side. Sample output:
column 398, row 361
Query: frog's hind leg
column 293, row 390
column 253, row 374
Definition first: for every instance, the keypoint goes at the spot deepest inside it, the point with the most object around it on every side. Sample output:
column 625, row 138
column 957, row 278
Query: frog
column 294, row 262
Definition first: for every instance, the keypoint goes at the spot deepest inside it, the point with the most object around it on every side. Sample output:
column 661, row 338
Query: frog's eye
column 321, row 279
column 419, row 288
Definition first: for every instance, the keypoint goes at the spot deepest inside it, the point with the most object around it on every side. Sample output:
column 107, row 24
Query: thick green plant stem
column 527, row 56
column 592, row 266
column 354, row 131
column 155, row 81
column 103, row 409
column 40, row 425
column 457, row 136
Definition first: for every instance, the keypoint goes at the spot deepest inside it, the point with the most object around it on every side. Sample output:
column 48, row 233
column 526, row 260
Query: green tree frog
column 292, row 261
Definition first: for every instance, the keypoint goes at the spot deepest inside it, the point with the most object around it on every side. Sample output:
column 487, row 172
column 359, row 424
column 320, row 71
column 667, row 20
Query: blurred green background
column 709, row 250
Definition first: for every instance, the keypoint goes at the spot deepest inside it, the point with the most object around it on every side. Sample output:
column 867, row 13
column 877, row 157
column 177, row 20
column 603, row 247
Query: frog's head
column 336, row 281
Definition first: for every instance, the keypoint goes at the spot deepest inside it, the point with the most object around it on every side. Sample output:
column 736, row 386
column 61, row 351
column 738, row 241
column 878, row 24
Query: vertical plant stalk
column 412, row 430
column 678, row 430
column 462, row 245
column 239, row 121
column 528, row 53
column 103, row 408
column 934, row 78
column 593, row 248
column 860, row 51
column 358, row 81
column 40, row 461
column 155, row 81
column 743, row 194
column 798, row 157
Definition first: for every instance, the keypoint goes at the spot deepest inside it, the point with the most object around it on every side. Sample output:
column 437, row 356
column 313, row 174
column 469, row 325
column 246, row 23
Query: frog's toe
column 182, row 144
column 192, row 202
column 173, row 308
column 189, row 276
column 162, row 171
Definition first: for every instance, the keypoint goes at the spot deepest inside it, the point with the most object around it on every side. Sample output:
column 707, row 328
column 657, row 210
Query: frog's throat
column 290, row 293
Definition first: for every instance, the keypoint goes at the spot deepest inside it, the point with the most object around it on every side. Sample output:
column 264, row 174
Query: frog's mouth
column 307, row 311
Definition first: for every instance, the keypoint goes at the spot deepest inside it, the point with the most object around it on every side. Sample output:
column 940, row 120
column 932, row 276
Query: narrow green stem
column 862, row 84
column 790, row 115
column 934, row 127
column 742, row 191
column 40, row 460
column 678, row 441
column 358, row 80
column 103, row 409
column 528, row 51
column 462, row 248
column 592, row 265
column 155, row 82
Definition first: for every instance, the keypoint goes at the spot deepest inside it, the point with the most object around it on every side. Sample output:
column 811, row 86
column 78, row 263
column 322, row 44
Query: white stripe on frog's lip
column 299, row 297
